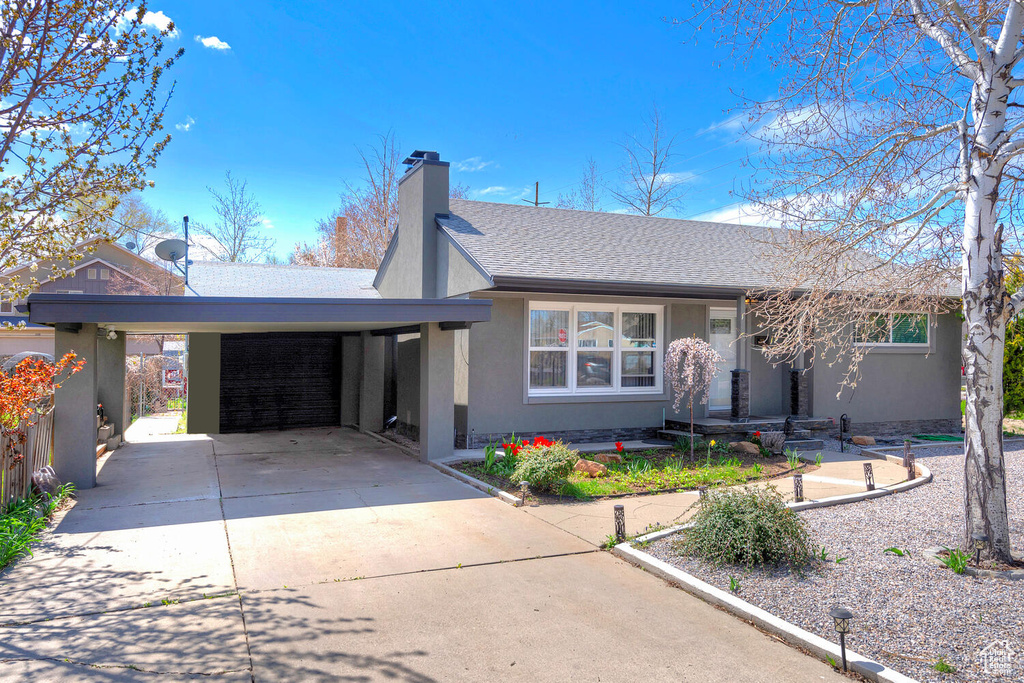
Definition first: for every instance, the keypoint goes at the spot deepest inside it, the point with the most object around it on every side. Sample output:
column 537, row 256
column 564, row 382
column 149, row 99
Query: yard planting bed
column 651, row 471
column 908, row 612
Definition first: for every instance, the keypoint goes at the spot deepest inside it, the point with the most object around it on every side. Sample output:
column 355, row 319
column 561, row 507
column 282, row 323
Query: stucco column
column 110, row 379
column 74, row 416
column 437, row 392
column 203, row 383
column 351, row 378
column 371, row 388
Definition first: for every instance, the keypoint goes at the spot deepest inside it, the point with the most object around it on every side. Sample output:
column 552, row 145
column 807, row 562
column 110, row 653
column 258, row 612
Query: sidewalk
column 593, row 521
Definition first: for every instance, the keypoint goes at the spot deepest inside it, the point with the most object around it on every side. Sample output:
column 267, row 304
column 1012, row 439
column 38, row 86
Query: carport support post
column 74, row 416
column 110, row 372
column 371, row 389
column 437, row 392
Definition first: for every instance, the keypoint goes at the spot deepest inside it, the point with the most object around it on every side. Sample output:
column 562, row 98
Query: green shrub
column 1013, row 368
column 545, row 466
column 23, row 522
column 750, row 527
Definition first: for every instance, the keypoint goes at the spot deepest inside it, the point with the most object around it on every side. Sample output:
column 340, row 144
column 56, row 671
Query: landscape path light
column 620, row 523
column 980, row 541
column 841, row 619
column 524, row 490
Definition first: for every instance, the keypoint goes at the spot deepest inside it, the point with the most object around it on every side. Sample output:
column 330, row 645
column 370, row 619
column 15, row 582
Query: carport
column 255, row 363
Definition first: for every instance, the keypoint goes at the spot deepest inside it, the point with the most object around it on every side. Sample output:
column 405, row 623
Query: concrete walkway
column 593, row 521
column 325, row 555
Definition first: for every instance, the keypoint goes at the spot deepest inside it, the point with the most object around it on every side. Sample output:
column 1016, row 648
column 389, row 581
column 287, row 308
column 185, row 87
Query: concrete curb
column 794, row 635
column 444, row 469
column 926, row 476
column 477, row 484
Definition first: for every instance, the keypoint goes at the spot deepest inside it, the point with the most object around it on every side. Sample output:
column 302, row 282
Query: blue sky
column 521, row 92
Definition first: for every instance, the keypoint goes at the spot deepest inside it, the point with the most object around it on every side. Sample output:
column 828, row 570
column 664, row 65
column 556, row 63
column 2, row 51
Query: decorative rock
column 45, row 481
column 590, row 468
column 863, row 440
column 607, row 458
column 745, row 447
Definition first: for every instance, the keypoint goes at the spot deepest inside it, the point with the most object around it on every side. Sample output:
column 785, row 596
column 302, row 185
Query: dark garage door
column 279, row 381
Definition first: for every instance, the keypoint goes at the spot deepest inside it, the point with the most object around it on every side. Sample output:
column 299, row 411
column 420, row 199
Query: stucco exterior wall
column 897, row 384
column 410, row 273
column 455, row 275
column 204, row 383
column 769, row 386
column 496, row 403
column 407, row 372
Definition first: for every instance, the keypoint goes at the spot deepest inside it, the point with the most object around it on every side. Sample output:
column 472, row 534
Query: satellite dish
column 170, row 250
column 130, row 245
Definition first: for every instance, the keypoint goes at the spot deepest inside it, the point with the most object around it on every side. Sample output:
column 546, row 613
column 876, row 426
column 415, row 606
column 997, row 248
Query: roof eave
column 576, row 286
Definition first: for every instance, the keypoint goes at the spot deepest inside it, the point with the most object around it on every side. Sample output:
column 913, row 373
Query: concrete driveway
column 324, row 555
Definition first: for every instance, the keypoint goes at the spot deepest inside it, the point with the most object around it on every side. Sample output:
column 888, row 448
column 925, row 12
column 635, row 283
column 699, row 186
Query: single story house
column 487, row 319
column 585, row 303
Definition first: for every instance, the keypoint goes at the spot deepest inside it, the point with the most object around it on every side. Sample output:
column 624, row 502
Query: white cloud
column 267, row 223
column 187, row 126
column 157, row 20
column 213, row 42
column 676, row 178
column 494, row 189
column 732, row 125
column 472, row 165
column 741, row 214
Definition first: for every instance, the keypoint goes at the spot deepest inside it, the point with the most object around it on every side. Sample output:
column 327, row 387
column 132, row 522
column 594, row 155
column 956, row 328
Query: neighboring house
column 585, row 304
column 106, row 268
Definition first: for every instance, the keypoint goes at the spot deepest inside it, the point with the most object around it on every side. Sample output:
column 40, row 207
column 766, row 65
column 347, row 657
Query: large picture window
column 594, row 349
column 893, row 329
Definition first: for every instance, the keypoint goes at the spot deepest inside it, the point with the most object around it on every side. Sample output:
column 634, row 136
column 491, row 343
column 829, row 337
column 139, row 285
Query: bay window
column 594, row 349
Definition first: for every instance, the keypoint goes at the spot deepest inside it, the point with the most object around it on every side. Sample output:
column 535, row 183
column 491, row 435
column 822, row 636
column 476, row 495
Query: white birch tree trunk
column 984, row 299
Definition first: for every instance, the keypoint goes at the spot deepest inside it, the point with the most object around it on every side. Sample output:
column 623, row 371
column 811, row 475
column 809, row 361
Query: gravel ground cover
column 909, row 613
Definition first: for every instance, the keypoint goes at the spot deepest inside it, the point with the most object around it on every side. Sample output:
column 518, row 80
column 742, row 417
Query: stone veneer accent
column 568, row 436
column 900, row 428
column 799, row 395
column 740, row 394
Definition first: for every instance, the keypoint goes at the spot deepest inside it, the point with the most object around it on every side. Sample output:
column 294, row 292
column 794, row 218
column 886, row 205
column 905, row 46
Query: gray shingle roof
column 526, row 241
column 215, row 278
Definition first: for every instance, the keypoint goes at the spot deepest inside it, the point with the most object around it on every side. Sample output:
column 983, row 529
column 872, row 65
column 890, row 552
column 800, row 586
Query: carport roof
column 182, row 314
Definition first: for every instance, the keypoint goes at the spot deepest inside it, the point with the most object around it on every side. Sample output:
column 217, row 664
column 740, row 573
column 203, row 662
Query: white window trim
column 902, row 345
column 616, row 350
column 90, row 273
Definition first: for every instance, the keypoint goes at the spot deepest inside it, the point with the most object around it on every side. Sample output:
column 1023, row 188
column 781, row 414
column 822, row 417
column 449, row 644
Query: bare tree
column 136, row 222
column 894, row 144
column 356, row 235
column 155, row 281
column 586, row 196
column 647, row 187
column 80, row 117
column 236, row 235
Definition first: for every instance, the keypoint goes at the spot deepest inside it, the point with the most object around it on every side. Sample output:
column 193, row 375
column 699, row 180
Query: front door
column 722, row 336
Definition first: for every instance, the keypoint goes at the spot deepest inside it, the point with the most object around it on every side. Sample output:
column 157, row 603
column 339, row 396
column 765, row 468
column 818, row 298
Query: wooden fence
column 37, row 451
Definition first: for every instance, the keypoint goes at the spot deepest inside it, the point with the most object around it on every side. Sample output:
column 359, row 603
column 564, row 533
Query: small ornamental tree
column 690, row 366
column 26, row 393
